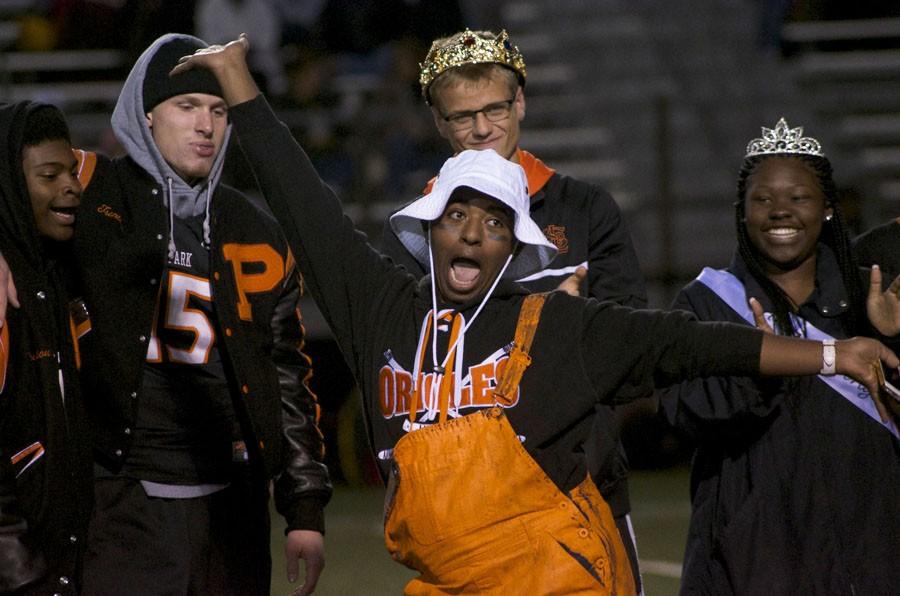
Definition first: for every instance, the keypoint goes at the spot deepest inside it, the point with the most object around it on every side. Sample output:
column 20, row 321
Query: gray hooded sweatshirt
column 129, row 122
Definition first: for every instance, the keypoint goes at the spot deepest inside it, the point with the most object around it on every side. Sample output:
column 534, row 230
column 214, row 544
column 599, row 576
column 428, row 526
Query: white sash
column 732, row 292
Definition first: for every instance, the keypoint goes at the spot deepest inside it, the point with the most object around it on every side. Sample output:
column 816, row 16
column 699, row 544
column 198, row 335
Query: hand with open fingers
column 883, row 308
column 759, row 317
column 572, row 284
column 859, row 358
column 308, row 545
column 8, row 294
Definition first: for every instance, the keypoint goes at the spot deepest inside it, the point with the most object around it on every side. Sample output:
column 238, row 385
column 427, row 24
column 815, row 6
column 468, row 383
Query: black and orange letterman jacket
column 121, row 245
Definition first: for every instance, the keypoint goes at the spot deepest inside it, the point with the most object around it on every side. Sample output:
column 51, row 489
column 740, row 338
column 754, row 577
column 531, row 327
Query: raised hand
column 759, row 317
column 229, row 64
column 883, row 308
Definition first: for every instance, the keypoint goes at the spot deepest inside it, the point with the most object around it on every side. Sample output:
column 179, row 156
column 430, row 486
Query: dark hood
column 42, row 279
column 18, row 232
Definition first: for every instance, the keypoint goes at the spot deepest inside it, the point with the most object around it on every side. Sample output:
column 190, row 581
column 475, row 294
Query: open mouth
column 464, row 273
column 65, row 215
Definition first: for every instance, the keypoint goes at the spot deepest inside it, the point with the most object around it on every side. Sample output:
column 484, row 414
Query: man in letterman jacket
column 197, row 390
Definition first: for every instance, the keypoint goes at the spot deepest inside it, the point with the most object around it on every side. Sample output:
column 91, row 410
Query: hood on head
column 129, row 120
column 496, row 177
column 18, row 230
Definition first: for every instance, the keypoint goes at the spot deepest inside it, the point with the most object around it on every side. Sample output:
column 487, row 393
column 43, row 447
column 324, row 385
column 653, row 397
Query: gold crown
column 783, row 139
column 469, row 47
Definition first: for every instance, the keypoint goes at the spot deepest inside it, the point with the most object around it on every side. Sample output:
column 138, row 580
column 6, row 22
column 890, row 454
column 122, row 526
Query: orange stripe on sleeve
column 87, row 163
column 74, row 331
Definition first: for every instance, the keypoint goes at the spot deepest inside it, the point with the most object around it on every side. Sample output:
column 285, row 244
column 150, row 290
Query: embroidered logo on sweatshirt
column 557, row 235
column 40, row 354
column 107, row 211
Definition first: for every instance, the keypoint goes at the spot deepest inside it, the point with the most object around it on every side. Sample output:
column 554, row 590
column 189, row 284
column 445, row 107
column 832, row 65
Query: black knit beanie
column 159, row 86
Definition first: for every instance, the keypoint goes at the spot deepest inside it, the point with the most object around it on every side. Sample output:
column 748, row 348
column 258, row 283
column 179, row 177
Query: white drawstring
column 206, row 241
column 170, row 199
column 432, row 402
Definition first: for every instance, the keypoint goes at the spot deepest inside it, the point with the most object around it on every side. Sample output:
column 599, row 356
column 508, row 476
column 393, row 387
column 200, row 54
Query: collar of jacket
column 536, row 172
column 829, row 298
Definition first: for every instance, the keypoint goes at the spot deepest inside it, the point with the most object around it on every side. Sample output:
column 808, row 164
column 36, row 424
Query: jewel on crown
column 469, row 47
column 783, row 139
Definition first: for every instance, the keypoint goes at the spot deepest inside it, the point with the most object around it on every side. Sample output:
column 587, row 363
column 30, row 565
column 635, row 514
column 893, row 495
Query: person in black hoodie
column 45, row 472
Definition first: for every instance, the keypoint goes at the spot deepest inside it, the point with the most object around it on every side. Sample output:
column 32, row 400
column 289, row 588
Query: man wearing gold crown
column 474, row 83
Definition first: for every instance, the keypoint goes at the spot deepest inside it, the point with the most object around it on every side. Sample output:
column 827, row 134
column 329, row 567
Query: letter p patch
column 257, row 268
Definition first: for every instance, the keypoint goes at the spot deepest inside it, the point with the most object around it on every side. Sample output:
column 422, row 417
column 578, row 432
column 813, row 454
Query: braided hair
column 834, row 235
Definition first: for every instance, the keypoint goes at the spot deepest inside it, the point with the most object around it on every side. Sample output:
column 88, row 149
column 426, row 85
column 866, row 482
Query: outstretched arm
column 859, row 358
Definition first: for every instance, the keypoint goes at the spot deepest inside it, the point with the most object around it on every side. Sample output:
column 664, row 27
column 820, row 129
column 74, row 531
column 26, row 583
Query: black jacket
column 45, row 470
column 794, row 490
column 121, row 244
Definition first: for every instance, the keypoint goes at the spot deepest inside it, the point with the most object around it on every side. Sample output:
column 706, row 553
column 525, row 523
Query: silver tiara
column 783, row 139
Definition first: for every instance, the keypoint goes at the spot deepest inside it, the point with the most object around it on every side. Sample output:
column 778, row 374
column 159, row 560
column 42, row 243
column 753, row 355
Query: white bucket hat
column 498, row 178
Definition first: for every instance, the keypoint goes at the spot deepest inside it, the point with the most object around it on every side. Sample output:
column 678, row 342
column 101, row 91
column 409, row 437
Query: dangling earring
column 828, row 217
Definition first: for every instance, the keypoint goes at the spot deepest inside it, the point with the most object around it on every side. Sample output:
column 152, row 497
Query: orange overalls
column 474, row 513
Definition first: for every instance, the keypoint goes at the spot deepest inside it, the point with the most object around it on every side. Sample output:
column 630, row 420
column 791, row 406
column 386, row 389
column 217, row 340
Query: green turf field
column 357, row 563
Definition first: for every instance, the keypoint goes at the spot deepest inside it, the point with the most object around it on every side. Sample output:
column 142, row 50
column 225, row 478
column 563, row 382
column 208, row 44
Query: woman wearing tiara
column 795, row 483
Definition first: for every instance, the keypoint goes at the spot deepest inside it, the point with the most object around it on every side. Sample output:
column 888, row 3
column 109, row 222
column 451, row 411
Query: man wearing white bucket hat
column 476, row 394
column 489, row 175
column 474, row 84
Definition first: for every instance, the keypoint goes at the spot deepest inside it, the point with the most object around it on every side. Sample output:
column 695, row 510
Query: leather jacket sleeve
column 302, row 487
column 21, row 563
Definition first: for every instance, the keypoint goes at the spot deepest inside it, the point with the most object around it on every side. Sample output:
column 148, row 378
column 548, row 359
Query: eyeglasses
column 495, row 112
